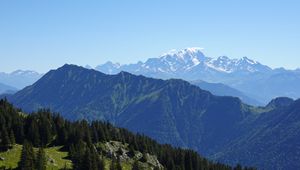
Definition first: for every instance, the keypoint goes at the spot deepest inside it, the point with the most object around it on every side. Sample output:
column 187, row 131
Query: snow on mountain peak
column 191, row 50
column 24, row 72
column 194, row 51
column 247, row 60
column 193, row 54
column 185, row 60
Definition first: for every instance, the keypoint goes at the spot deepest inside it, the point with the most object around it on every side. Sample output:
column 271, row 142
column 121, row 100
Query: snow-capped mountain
column 24, row 73
column 174, row 61
column 254, row 79
column 244, row 64
column 184, row 62
column 19, row 78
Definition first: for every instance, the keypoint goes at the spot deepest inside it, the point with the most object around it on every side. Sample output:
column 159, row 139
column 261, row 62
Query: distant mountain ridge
column 174, row 111
column 220, row 89
column 19, row 78
column 7, row 89
column 254, row 79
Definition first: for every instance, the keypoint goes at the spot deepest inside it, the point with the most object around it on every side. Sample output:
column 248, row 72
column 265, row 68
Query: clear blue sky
column 41, row 35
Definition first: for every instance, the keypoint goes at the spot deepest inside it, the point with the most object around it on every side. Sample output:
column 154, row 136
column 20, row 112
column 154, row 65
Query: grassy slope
column 11, row 157
column 56, row 158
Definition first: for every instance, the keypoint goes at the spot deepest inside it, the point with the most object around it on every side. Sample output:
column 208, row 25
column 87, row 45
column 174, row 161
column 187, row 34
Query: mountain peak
column 183, row 59
column 69, row 66
column 24, row 72
column 249, row 61
column 193, row 49
column 280, row 102
column 190, row 50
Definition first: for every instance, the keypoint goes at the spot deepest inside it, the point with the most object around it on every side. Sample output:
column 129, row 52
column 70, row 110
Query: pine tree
column 87, row 160
column 5, row 142
column 33, row 133
column 94, row 157
column 45, row 133
column 27, row 161
column 41, row 160
column 12, row 137
column 95, row 137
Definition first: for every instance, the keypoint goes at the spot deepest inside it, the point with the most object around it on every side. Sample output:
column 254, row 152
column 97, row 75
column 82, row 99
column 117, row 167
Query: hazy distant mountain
column 7, row 89
column 176, row 112
column 19, row 78
column 220, row 89
column 254, row 79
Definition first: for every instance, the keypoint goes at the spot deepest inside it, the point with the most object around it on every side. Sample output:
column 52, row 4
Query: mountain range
column 220, row 89
column 252, row 78
column 19, row 78
column 174, row 111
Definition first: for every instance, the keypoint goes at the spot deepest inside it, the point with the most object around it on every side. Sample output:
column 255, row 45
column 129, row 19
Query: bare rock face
column 118, row 150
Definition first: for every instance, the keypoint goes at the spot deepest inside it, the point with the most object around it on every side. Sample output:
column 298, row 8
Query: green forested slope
column 83, row 145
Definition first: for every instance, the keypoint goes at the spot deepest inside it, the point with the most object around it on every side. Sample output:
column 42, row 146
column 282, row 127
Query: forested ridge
column 44, row 129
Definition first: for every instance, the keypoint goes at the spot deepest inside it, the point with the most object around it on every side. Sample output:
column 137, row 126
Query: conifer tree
column 94, row 157
column 41, row 161
column 5, row 141
column 27, row 161
column 87, row 163
column 45, row 133
column 33, row 133
column 12, row 137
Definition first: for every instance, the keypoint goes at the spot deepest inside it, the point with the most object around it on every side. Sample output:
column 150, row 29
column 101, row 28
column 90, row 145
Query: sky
column 42, row 35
